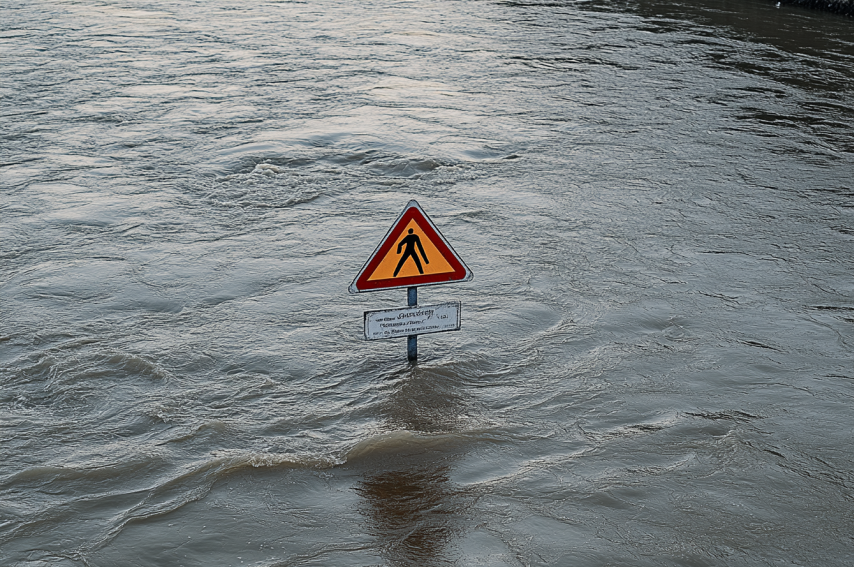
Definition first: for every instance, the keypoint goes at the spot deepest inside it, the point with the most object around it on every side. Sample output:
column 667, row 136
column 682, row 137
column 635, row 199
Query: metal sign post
column 413, row 253
column 412, row 340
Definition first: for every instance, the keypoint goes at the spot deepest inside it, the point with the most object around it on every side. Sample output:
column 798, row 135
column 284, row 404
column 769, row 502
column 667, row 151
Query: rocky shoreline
column 841, row 7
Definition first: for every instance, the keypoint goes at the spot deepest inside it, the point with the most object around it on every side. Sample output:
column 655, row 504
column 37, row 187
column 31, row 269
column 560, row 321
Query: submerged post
column 428, row 259
column 412, row 340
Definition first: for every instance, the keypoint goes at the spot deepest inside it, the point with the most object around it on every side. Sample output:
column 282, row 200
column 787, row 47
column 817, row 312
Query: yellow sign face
column 413, row 254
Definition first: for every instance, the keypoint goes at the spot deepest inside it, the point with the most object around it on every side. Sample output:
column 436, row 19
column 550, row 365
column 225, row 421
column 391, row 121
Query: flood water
column 656, row 360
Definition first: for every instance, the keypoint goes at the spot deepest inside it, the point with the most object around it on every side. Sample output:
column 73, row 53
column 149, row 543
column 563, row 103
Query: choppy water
column 656, row 365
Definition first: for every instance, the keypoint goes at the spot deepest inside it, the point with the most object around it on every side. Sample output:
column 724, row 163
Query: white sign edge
column 457, row 304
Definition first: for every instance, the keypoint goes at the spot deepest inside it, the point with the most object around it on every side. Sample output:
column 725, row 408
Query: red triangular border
column 412, row 211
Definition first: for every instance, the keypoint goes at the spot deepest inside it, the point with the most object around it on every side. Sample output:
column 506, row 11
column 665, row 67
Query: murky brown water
column 655, row 365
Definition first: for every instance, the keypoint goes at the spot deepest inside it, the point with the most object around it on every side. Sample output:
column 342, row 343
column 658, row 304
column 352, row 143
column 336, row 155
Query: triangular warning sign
column 413, row 253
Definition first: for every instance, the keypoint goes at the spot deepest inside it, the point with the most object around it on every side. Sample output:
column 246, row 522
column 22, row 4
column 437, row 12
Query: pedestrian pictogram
column 413, row 253
column 410, row 242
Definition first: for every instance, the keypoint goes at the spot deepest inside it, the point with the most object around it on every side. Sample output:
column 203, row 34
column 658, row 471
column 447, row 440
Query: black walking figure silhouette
column 411, row 241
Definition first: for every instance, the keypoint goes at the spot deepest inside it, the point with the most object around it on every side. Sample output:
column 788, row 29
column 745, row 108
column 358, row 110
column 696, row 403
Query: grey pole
column 412, row 340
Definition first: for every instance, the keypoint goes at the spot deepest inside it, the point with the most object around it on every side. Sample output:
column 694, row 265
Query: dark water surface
column 656, row 365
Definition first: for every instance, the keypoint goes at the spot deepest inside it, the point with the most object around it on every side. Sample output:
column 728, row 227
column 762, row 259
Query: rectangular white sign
column 418, row 320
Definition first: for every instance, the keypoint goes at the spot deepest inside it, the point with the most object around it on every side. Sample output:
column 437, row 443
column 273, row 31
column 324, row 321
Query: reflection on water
column 410, row 504
column 413, row 511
